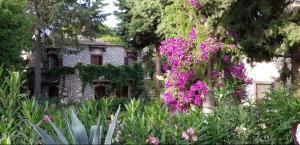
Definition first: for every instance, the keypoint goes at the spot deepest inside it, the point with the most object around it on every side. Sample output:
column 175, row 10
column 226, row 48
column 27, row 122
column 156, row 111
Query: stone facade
column 114, row 55
column 111, row 55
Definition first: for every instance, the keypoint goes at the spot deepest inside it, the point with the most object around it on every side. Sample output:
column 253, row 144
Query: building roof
column 97, row 42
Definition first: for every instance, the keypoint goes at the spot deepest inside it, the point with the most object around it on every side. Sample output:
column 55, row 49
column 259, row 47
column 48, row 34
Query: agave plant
column 77, row 131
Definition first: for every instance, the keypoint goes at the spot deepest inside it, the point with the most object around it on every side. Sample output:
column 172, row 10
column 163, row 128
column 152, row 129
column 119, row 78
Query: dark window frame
column 97, row 59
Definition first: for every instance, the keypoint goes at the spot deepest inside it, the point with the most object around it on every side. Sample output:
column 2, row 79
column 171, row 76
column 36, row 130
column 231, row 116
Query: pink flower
column 190, row 131
column 46, row 118
column 152, row 140
column 195, row 3
column 227, row 59
column 194, row 138
column 193, row 34
column 185, row 136
column 189, row 135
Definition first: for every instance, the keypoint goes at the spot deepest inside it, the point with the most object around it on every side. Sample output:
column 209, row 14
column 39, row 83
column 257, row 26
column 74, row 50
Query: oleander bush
column 145, row 121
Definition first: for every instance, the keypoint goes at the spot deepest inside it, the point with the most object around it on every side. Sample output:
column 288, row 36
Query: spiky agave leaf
column 111, row 129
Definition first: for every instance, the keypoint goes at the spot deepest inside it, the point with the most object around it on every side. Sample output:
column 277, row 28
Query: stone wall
column 112, row 55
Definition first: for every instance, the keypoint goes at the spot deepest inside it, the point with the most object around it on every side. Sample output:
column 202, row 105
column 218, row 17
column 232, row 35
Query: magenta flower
column 193, row 34
column 46, row 118
column 195, row 3
column 227, row 59
column 214, row 74
column 152, row 140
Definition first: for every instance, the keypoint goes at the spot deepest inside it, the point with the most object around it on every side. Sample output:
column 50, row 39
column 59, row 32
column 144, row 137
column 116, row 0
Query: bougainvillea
column 185, row 88
column 195, row 3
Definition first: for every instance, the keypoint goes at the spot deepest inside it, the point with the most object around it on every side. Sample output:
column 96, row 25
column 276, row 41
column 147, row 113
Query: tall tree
column 139, row 23
column 264, row 29
column 15, row 31
column 62, row 21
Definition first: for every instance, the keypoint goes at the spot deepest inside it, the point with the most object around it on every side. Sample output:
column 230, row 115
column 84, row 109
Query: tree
column 61, row 21
column 14, row 32
column 264, row 29
column 139, row 22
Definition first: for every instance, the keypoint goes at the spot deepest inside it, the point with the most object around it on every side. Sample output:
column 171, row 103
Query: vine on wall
column 118, row 76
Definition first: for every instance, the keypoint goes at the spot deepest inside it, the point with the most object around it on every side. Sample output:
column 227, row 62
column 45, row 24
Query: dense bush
column 142, row 121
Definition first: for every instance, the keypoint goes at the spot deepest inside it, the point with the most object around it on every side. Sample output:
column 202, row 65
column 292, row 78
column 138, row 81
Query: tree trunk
column 208, row 103
column 295, row 58
column 37, row 73
column 158, row 66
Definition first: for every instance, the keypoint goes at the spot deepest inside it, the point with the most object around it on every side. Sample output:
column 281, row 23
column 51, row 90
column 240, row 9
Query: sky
column 111, row 20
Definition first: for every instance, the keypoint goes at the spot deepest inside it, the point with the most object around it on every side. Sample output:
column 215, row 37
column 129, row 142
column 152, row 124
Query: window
column 261, row 88
column 96, row 59
column 122, row 92
column 52, row 61
column 131, row 58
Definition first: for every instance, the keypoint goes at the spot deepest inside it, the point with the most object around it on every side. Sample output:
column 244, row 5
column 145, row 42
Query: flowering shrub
column 195, row 3
column 185, row 87
column 152, row 140
column 189, row 135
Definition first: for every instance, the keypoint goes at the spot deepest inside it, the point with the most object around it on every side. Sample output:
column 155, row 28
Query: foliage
column 59, row 23
column 228, row 123
column 10, row 99
column 112, row 39
column 139, row 20
column 15, row 32
column 278, row 112
column 77, row 131
column 58, row 73
column 198, row 62
column 117, row 75
column 267, row 122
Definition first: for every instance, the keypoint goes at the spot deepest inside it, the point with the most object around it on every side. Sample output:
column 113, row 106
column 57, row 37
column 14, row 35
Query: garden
column 194, row 60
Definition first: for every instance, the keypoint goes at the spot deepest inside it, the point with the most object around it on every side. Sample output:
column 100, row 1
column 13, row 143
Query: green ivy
column 58, row 73
column 118, row 76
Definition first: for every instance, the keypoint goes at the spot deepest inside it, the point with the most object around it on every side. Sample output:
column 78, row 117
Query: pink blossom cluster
column 183, row 90
column 152, row 140
column 46, row 118
column 238, row 72
column 195, row 3
column 189, row 135
column 209, row 47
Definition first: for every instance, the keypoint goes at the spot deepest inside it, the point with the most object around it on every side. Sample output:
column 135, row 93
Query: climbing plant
column 118, row 76
column 58, row 73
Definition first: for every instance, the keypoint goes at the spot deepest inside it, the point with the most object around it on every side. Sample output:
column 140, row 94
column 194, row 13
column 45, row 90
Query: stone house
column 88, row 52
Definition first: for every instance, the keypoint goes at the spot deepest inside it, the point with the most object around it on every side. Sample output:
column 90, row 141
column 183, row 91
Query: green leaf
column 112, row 126
column 62, row 138
column 92, row 133
column 78, row 129
column 45, row 137
column 96, row 139
column 71, row 133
